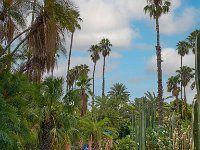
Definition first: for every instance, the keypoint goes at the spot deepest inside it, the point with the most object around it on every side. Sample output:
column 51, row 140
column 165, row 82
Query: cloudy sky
column 132, row 33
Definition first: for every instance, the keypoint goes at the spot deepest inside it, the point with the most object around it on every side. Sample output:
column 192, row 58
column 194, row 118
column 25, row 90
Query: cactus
column 140, row 126
column 196, row 104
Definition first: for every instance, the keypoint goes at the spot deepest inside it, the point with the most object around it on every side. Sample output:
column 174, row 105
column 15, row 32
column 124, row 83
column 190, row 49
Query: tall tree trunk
column 84, row 102
column 103, row 83
column 181, row 79
column 177, row 104
column 185, row 102
column 159, row 70
column 70, row 53
column 46, row 140
column 93, row 88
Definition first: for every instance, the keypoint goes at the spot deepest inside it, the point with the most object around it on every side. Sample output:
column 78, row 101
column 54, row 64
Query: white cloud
column 61, row 69
column 173, row 23
column 111, row 19
column 171, row 62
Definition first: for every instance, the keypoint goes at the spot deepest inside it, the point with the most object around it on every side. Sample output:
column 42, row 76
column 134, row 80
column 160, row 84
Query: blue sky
column 132, row 33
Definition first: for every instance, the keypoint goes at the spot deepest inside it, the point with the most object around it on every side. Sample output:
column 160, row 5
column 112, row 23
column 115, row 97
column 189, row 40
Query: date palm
column 172, row 86
column 119, row 91
column 183, row 49
column 155, row 9
column 94, row 50
column 105, row 47
column 186, row 74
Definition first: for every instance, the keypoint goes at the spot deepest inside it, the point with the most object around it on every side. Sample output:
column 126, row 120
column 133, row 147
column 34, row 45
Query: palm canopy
column 74, row 18
column 94, row 50
column 186, row 74
column 119, row 90
column 183, row 48
column 105, row 47
column 192, row 39
column 156, row 8
column 84, row 84
column 172, row 82
column 11, row 17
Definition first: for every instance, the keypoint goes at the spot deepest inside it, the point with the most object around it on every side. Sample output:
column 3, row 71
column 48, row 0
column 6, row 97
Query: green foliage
column 157, row 8
column 126, row 143
column 158, row 137
column 17, row 112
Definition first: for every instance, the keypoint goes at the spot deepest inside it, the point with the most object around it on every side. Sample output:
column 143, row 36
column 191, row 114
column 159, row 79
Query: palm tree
column 75, row 73
column 96, row 132
column 11, row 18
column 94, row 50
column 72, row 27
column 186, row 74
column 156, row 8
column 45, row 37
column 119, row 91
column 183, row 49
column 84, row 84
column 52, row 92
column 172, row 86
column 58, row 120
column 192, row 39
column 105, row 49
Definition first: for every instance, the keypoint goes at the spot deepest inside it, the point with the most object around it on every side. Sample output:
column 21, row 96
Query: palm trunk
column 46, row 140
column 181, row 79
column 159, row 70
column 84, row 103
column 177, row 104
column 185, row 102
column 103, row 83
column 69, row 59
column 93, row 88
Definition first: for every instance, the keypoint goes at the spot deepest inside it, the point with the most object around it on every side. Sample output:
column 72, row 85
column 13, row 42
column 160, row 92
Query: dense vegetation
column 38, row 112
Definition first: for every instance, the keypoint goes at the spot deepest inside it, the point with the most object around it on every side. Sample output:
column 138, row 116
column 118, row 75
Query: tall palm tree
column 192, row 39
column 183, row 49
column 172, row 86
column 105, row 46
column 186, row 74
column 119, row 91
column 84, row 84
column 94, row 50
column 72, row 27
column 155, row 8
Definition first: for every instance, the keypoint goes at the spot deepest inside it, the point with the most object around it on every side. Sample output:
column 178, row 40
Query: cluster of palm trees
column 155, row 9
column 80, row 72
column 177, row 84
column 41, row 40
column 103, row 47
